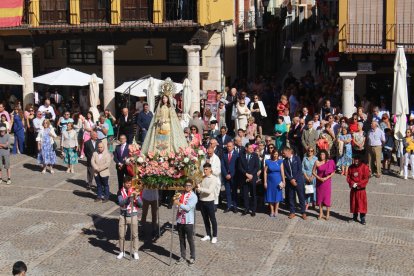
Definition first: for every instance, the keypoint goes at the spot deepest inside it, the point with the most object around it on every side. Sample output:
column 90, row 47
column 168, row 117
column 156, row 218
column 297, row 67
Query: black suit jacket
column 251, row 167
column 126, row 127
column 89, row 149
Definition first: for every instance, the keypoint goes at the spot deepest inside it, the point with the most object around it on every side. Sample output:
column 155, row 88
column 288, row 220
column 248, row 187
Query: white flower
column 161, row 160
column 200, row 152
column 186, row 160
column 140, row 160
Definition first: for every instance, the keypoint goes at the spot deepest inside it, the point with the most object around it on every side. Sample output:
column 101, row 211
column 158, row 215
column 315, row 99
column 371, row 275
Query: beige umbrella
column 400, row 99
column 94, row 97
column 151, row 92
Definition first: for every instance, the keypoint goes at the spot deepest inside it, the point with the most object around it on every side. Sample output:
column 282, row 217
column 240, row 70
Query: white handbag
column 309, row 189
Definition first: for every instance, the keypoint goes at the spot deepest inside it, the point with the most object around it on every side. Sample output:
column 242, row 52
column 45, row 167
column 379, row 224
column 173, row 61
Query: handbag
column 54, row 145
column 309, row 189
column 281, row 185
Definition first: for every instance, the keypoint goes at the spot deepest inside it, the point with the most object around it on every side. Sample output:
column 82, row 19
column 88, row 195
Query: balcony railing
column 137, row 14
column 249, row 21
column 375, row 38
column 53, row 12
column 181, row 10
column 135, row 10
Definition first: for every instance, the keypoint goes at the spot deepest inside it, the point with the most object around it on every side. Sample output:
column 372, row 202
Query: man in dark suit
column 228, row 171
column 294, row 182
column 90, row 147
column 248, row 168
column 223, row 138
column 126, row 125
column 120, row 155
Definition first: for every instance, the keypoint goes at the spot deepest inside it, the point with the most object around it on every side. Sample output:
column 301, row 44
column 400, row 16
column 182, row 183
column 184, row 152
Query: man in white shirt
column 215, row 163
column 56, row 97
column 47, row 110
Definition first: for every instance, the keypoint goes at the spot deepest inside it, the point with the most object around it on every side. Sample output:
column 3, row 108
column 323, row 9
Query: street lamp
column 149, row 48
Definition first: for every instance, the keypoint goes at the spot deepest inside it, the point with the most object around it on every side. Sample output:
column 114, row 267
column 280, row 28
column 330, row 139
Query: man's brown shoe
column 291, row 216
column 304, row 216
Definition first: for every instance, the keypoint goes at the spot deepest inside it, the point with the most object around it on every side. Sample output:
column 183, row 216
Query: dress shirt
column 376, row 137
column 38, row 124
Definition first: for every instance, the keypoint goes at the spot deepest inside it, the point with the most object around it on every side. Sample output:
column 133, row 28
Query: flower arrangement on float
column 165, row 170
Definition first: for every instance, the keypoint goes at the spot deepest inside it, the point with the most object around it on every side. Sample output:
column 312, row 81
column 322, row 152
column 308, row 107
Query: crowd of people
column 265, row 144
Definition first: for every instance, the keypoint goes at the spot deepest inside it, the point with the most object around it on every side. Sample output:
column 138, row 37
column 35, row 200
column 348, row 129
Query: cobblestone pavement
column 52, row 223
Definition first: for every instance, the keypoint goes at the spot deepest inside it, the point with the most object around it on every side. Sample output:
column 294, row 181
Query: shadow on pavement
column 105, row 230
column 32, row 167
column 90, row 195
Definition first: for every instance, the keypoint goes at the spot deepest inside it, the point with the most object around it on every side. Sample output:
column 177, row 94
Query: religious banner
column 11, row 13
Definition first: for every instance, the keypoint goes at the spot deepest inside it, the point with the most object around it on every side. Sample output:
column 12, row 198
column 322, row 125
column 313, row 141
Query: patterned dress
column 346, row 158
column 47, row 155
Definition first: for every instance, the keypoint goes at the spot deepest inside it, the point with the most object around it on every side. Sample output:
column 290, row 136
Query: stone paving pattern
column 52, row 223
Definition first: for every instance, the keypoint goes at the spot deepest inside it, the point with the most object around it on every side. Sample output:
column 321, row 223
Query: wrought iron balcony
column 376, row 38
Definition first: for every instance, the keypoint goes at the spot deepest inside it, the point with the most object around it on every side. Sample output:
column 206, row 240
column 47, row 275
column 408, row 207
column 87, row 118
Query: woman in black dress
column 256, row 107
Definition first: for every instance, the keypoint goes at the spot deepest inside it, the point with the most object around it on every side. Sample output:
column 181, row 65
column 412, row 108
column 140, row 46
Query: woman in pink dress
column 323, row 170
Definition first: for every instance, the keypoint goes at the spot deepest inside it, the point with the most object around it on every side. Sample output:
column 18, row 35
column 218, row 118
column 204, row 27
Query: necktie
column 224, row 136
column 122, row 149
column 229, row 157
column 56, row 98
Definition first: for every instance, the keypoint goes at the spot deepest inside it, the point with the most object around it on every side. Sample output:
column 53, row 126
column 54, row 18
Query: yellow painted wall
column 342, row 24
column 211, row 11
column 34, row 13
column 390, row 21
column 74, row 12
column 115, row 12
column 158, row 11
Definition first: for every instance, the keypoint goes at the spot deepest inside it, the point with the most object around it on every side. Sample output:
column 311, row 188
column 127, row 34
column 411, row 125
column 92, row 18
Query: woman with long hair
column 323, row 170
column 88, row 126
column 69, row 147
column 17, row 122
column 30, row 132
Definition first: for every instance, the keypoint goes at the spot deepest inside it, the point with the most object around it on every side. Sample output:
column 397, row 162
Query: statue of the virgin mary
column 165, row 132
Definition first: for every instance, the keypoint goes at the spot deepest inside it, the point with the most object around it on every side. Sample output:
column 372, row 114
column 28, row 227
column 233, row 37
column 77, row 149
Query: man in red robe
column 358, row 176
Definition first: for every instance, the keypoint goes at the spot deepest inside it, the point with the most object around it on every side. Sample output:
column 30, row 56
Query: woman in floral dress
column 345, row 160
column 47, row 155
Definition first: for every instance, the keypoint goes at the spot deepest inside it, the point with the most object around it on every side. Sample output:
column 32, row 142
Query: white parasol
column 94, row 97
column 140, row 89
column 66, row 77
column 400, row 94
column 8, row 77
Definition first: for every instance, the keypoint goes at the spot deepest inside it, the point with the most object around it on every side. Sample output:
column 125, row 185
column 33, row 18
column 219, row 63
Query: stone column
column 108, row 75
column 193, row 63
column 27, row 73
column 348, row 93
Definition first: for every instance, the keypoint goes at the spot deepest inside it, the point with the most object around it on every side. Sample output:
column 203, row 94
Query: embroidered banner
column 11, row 12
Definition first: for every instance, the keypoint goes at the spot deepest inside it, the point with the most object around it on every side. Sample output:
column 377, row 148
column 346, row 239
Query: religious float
column 165, row 160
